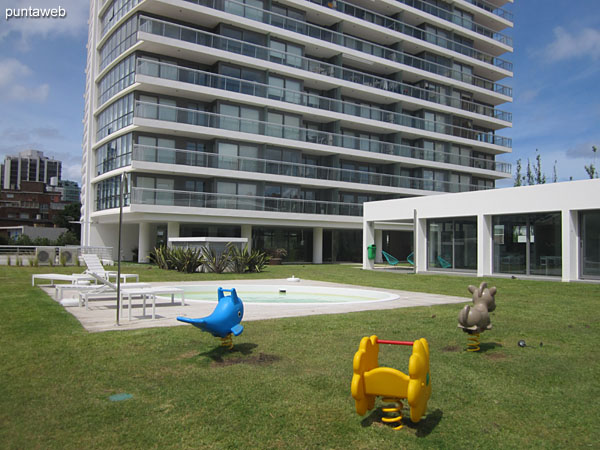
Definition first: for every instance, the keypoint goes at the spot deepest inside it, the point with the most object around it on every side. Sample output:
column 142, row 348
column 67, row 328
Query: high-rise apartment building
column 29, row 165
column 276, row 120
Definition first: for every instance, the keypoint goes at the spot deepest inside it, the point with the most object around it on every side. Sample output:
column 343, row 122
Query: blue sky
column 556, row 106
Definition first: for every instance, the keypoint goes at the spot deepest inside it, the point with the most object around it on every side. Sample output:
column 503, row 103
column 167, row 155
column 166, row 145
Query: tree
column 67, row 216
column 591, row 169
column 518, row 176
column 539, row 176
column 530, row 178
column 555, row 173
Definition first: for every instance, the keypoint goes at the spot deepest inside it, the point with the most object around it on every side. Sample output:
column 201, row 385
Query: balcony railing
column 164, row 197
column 401, row 27
column 500, row 12
column 458, row 20
column 194, row 117
column 166, row 155
column 191, row 35
column 208, row 79
column 307, row 29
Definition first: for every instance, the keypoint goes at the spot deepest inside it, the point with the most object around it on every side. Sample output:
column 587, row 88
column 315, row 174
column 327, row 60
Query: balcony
column 187, row 199
column 208, row 79
column 456, row 19
column 165, row 155
column 194, row 117
column 500, row 12
column 191, row 35
column 307, row 29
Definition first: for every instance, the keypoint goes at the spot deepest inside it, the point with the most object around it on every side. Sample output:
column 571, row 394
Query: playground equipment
column 370, row 380
column 475, row 319
column 224, row 321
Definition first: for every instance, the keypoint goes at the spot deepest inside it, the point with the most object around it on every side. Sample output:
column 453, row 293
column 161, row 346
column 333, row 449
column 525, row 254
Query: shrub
column 183, row 260
column 213, row 262
column 246, row 261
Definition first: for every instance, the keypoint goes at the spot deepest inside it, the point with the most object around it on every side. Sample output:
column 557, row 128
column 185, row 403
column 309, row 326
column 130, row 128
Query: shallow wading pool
column 286, row 293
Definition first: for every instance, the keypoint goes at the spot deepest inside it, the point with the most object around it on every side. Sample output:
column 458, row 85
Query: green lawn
column 286, row 384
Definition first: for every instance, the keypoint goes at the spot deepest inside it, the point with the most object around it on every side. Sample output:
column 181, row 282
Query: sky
column 556, row 84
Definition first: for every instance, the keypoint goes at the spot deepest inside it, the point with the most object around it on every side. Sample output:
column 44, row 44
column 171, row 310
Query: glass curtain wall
column 590, row 244
column 528, row 244
column 452, row 243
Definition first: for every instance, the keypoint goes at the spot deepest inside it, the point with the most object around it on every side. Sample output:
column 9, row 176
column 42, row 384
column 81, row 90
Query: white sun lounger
column 94, row 265
column 130, row 291
column 76, row 278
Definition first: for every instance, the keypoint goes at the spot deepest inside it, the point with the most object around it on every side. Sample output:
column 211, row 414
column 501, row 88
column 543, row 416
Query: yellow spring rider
column 370, row 380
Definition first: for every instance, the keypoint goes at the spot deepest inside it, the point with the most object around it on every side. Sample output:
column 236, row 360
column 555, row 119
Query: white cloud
column 12, row 75
column 75, row 21
column 568, row 45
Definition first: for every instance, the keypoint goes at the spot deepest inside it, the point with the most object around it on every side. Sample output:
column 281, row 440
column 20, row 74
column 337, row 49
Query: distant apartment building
column 69, row 190
column 33, row 204
column 276, row 121
column 29, row 165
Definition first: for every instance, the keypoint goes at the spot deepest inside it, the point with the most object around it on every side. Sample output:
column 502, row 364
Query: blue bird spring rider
column 224, row 321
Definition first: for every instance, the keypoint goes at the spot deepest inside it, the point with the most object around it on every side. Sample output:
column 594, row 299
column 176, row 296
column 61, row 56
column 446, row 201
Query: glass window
column 529, row 244
column 452, row 243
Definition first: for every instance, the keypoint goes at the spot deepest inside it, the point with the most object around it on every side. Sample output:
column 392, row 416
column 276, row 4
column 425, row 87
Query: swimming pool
column 286, row 293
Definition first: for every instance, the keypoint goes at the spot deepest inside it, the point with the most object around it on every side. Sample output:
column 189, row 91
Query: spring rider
column 370, row 380
column 475, row 319
column 224, row 321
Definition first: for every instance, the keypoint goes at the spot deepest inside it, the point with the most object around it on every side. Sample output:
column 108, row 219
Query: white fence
column 27, row 255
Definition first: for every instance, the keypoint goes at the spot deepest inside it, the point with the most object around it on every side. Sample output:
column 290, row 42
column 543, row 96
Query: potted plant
column 276, row 254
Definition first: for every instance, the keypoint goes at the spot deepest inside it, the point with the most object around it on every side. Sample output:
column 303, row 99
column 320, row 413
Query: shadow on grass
column 422, row 429
column 486, row 346
column 239, row 354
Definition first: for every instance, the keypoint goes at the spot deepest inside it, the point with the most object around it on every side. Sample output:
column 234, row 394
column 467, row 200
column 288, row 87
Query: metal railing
column 169, row 113
column 496, row 10
column 208, row 79
column 311, row 30
column 166, row 155
column 458, row 20
column 191, row 35
column 164, row 197
column 401, row 27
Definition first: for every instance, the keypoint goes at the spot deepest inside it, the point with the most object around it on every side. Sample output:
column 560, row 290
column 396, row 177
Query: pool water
column 289, row 294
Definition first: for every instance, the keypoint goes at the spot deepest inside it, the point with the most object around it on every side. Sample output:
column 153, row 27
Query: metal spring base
column 473, row 344
column 227, row 341
column 395, row 409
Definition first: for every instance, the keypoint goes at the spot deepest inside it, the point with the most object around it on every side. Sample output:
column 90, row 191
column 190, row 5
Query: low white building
column 545, row 230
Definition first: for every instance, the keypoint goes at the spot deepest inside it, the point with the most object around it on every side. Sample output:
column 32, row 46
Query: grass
column 286, row 384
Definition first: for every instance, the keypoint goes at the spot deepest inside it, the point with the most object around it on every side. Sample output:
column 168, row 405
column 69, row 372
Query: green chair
column 443, row 263
column 391, row 260
column 411, row 258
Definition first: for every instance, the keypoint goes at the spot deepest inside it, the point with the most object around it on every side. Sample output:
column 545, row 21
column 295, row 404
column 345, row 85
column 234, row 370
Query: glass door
column 590, row 244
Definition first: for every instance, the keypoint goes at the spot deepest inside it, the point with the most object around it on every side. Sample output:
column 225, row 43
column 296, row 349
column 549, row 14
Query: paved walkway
column 101, row 315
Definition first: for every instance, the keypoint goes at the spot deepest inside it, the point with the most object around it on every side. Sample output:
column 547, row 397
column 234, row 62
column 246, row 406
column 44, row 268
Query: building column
column 570, row 245
column 172, row 231
column 317, row 246
column 378, row 246
column 247, row 233
column 368, row 239
column 144, row 242
column 485, row 245
column 420, row 253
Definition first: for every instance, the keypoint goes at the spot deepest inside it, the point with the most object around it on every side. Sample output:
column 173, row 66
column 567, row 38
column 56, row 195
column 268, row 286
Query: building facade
column 29, row 165
column 549, row 230
column 33, row 204
column 276, row 121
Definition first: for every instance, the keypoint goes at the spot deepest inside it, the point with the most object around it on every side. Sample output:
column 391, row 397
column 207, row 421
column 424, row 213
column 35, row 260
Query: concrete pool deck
column 101, row 315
